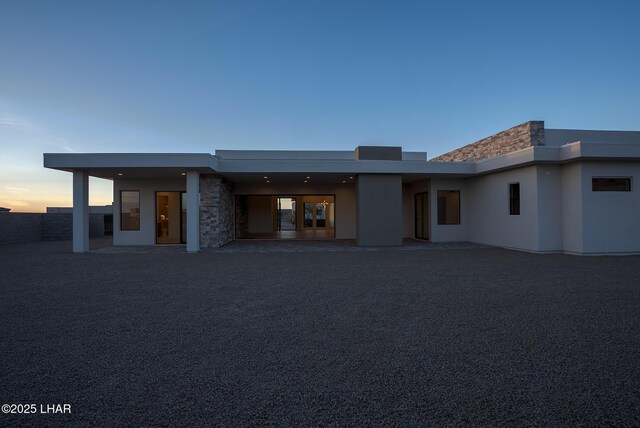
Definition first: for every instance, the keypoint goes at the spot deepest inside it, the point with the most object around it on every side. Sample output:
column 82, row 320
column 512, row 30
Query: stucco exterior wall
column 408, row 205
column 407, row 211
column 572, row 191
column 259, row 214
column 148, row 188
column 448, row 232
column 487, row 209
column 549, row 195
column 611, row 220
column 379, row 209
column 345, row 202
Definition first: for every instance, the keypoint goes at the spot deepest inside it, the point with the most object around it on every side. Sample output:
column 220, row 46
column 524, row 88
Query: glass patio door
column 171, row 218
column 315, row 215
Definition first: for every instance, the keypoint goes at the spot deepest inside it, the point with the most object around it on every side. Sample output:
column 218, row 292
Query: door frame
column 183, row 239
column 415, row 218
column 278, row 211
column 314, row 211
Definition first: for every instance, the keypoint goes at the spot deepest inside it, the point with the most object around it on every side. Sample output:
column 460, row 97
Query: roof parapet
column 378, row 153
column 528, row 134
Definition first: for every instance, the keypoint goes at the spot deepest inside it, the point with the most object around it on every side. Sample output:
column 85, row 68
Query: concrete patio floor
column 473, row 336
column 286, row 246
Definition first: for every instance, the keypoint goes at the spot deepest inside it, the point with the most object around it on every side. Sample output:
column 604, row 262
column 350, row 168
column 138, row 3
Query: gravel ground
column 476, row 336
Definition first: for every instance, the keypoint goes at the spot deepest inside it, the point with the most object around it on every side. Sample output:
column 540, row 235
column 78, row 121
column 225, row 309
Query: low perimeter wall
column 20, row 227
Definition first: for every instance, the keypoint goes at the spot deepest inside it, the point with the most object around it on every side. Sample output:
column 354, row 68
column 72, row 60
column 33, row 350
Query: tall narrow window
column 448, row 207
column 514, row 199
column 129, row 210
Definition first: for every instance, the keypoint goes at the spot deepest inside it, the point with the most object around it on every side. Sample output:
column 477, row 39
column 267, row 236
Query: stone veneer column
column 242, row 217
column 216, row 211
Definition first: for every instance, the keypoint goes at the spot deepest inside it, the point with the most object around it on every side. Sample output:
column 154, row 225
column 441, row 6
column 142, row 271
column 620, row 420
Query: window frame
column 122, row 229
column 459, row 208
column 514, row 203
column 594, row 178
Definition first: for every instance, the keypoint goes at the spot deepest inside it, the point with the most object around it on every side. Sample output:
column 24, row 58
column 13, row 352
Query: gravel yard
column 462, row 336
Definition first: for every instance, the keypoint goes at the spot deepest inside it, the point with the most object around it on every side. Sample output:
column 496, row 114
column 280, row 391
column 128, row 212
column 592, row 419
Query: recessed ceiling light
column 305, row 181
column 350, row 178
column 344, row 182
column 308, row 178
column 265, row 177
column 119, row 173
column 184, row 173
column 268, row 181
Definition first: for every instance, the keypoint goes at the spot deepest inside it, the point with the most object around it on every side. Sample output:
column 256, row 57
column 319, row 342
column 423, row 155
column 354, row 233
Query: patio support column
column 193, row 211
column 80, row 211
column 378, row 210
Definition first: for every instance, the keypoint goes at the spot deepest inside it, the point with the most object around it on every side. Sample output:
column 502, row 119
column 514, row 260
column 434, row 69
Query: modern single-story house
column 526, row 188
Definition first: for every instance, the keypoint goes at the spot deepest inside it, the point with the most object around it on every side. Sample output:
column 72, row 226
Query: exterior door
column 422, row 215
column 171, row 218
column 315, row 215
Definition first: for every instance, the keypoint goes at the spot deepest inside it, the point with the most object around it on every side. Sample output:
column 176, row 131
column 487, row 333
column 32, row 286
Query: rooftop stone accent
column 519, row 137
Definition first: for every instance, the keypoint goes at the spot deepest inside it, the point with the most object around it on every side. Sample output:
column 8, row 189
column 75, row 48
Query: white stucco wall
column 572, row 232
column 487, row 209
column 448, row 232
column 558, row 211
column 549, row 208
column 611, row 220
column 147, row 187
column 408, row 205
column 345, row 201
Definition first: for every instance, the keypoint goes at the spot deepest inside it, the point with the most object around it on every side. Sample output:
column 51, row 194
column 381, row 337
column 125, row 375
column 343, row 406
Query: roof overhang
column 131, row 165
column 241, row 168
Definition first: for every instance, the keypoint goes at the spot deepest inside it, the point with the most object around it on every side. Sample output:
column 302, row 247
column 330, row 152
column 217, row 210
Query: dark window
column 611, row 184
column 514, row 199
column 129, row 210
column 448, row 207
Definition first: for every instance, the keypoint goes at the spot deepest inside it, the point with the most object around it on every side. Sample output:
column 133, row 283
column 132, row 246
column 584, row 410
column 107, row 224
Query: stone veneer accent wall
column 517, row 138
column 216, row 211
column 242, row 216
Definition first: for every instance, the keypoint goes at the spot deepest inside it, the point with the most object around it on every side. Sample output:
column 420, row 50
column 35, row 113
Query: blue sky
column 180, row 76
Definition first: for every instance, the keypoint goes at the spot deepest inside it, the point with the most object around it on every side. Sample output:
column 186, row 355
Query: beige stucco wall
column 259, row 213
column 448, row 232
column 572, row 190
column 409, row 191
column 147, row 187
column 487, row 210
column 549, row 212
column 379, row 209
column 610, row 220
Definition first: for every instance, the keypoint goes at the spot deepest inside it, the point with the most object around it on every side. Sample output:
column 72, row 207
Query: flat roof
column 561, row 146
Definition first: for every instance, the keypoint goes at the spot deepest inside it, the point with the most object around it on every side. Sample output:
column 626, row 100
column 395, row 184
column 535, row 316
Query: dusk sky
column 180, row 76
